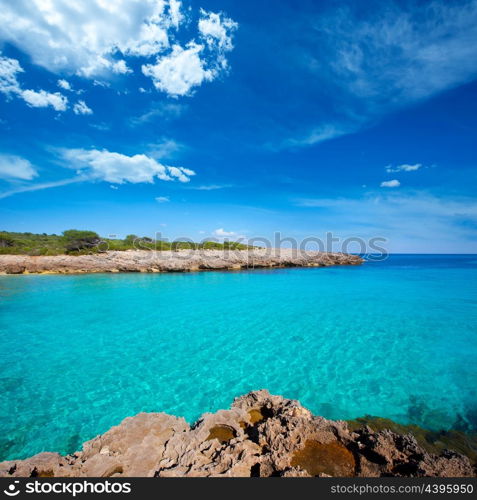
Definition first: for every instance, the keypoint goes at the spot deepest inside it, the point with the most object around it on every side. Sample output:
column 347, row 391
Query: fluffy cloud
column 117, row 168
column 120, row 67
column 83, row 36
column 390, row 184
column 9, row 68
column 81, row 108
column 64, row 84
column 404, row 168
column 15, row 167
column 43, row 99
column 216, row 30
column 180, row 173
column 92, row 38
column 162, row 199
column 185, row 68
column 9, row 85
column 181, row 71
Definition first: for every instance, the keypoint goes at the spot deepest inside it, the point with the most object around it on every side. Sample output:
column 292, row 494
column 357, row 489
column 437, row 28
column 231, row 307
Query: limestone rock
column 261, row 435
column 171, row 261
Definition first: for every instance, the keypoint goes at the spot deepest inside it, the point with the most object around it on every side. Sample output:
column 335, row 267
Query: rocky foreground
column 171, row 261
column 261, row 435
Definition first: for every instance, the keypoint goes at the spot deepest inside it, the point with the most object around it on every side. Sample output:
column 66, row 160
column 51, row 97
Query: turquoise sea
column 395, row 339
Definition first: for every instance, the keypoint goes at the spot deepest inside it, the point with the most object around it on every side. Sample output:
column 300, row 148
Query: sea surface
column 396, row 339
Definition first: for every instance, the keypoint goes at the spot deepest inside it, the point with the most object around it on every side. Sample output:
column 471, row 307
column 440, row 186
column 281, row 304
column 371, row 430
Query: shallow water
column 396, row 339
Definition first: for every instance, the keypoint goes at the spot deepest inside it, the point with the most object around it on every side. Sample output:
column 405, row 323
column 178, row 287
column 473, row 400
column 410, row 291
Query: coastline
column 171, row 261
column 260, row 436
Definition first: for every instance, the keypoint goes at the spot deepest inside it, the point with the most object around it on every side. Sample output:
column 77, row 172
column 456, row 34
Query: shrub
column 76, row 240
column 6, row 241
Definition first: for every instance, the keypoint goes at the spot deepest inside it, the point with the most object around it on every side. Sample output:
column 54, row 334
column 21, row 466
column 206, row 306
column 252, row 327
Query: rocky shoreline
column 171, row 261
column 260, row 436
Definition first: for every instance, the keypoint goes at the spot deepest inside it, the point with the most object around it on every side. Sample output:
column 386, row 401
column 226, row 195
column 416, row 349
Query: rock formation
column 172, row 261
column 261, row 435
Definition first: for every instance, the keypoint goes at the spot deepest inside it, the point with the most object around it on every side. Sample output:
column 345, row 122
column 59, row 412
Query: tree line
column 80, row 242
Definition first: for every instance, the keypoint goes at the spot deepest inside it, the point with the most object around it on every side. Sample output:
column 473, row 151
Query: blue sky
column 229, row 119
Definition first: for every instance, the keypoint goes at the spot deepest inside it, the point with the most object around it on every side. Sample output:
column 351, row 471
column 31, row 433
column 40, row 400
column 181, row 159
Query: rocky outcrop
column 261, row 435
column 172, row 261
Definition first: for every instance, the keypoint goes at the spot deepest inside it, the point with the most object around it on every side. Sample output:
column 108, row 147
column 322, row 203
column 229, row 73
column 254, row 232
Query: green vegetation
column 76, row 242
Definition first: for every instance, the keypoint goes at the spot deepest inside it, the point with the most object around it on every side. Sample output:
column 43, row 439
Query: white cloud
column 9, row 85
column 412, row 221
column 419, row 203
column 165, row 110
column 94, row 165
column 39, row 187
column 222, row 234
column 309, row 138
column 117, row 168
column 64, row 84
column 82, row 37
column 211, row 187
column 8, row 75
column 152, row 40
column 120, row 67
column 103, row 127
column 175, row 12
column 15, row 167
column 165, row 148
column 217, row 30
column 187, row 171
column 390, row 57
column 404, row 168
column 182, row 174
column 181, row 71
column 390, row 184
column 101, row 83
column 43, row 99
column 81, row 108
column 404, row 55
column 93, row 38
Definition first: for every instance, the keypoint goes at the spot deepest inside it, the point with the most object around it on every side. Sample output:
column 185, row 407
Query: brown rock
column 171, row 261
column 332, row 459
column 261, row 435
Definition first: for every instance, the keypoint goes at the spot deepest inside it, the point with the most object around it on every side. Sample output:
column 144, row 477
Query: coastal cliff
column 260, row 436
column 172, row 261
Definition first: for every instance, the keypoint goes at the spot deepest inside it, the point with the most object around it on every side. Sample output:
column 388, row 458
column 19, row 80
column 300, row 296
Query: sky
column 235, row 120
